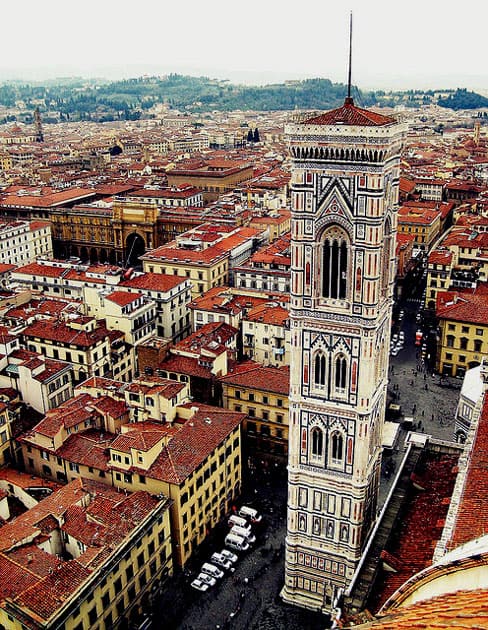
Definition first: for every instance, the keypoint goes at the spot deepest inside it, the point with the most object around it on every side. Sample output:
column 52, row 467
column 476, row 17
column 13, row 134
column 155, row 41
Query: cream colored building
column 62, row 566
column 146, row 437
column 131, row 313
column 262, row 394
column 266, row 334
column 204, row 255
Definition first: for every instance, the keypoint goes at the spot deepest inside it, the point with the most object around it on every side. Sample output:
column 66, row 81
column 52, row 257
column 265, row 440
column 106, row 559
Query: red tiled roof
column 153, row 282
column 60, row 332
column 185, row 365
column 194, row 442
column 472, row 516
column 440, row 257
column 122, row 298
column 88, row 449
column 256, row 376
column 467, row 307
column 461, row 609
column 36, row 269
column 420, row 526
column 265, row 313
column 349, row 114
column 137, row 439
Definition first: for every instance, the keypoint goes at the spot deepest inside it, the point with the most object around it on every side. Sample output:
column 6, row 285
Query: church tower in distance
column 345, row 180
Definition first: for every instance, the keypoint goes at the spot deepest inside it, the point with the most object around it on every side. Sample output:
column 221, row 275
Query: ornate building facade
column 345, row 181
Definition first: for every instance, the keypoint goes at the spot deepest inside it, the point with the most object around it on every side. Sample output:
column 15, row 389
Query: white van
column 239, row 521
column 244, row 532
column 212, row 570
column 249, row 513
column 236, row 542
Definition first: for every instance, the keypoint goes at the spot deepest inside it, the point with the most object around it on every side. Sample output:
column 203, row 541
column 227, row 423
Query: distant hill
column 100, row 100
column 462, row 99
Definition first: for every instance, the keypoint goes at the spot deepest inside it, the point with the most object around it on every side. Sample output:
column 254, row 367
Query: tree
column 256, row 135
column 249, row 136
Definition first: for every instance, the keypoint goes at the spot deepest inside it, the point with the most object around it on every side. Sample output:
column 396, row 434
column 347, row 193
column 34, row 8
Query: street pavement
column 247, row 599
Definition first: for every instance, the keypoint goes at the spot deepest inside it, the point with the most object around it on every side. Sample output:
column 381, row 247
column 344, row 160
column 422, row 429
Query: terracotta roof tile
column 349, row 114
column 256, row 376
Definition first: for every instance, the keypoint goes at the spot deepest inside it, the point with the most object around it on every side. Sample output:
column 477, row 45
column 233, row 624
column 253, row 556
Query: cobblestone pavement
column 249, row 598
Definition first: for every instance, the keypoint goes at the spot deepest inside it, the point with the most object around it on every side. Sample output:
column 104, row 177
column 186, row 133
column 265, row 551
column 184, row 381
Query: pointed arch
column 319, row 369
column 335, row 263
column 340, row 371
column 337, row 447
column 317, row 442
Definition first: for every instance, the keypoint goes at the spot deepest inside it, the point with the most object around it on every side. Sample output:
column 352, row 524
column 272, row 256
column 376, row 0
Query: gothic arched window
column 386, row 261
column 340, row 379
column 337, row 447
column 335, row 261
column 317, row 442
column 319, row 369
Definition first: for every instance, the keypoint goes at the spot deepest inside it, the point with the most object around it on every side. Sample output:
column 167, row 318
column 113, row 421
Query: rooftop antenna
column 349, row 100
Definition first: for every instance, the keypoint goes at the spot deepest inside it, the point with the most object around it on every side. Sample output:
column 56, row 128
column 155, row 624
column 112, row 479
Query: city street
column 428, row 398
column 249, row 597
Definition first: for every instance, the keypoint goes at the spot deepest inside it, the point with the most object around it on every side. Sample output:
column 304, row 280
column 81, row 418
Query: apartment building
column 171, row 295
column 262, row 394
column 124, row 436
column 134, row 314
column 86, row 343
column 266, row 334
column 205, row 255
column 268, row 269
column 85, row 556
column 423, row 224
column 21, row 242
column 463, row 324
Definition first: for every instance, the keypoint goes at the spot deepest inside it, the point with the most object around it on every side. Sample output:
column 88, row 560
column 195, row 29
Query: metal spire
column 349, row 99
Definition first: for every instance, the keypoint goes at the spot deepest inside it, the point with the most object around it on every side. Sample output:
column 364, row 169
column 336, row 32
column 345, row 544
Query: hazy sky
column 414, row 43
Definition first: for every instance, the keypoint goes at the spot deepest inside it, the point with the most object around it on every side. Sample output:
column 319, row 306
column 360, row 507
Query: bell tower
column 345, row 179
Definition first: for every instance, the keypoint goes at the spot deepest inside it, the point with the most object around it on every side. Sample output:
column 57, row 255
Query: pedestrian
column 432, row 418
column 426, row 387
column 423, row 413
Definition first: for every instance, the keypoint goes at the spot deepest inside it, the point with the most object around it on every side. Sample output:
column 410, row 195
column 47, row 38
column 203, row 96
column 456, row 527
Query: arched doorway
column 84, row 254
column 93, row 255
column 103, row 255
column 134, row 247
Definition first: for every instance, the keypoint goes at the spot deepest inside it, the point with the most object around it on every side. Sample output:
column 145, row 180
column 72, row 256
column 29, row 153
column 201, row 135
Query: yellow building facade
column 262, row 394
column 102, row 573
column 463, row 323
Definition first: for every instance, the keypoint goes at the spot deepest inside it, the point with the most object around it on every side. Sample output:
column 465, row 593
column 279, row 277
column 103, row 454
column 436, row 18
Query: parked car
column 239, row 543
column 221, row 561
column 249, row 513
column 244, row 532
column 206, row 578
column 199, row 585
column 402, row 336
column 239, row 521
column 212, row 570
column 228, row 555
